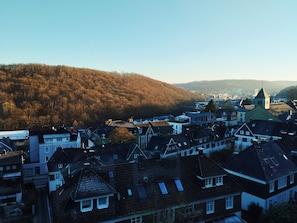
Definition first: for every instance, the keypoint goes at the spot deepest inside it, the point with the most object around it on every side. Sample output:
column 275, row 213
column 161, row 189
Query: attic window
column 86, row 205
column 163, row 188
column 219, row 181
column 208, row 182
column 179, row 145
column 102, row 202
column 178, row 185
column 185, row 143
column 60, row 165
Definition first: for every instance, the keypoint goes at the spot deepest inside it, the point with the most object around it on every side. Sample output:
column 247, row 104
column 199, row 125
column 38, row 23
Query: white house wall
column 247, row 199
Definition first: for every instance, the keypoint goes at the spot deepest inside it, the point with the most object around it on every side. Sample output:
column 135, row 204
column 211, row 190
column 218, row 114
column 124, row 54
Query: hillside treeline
column 35, row 95
column 290, row 93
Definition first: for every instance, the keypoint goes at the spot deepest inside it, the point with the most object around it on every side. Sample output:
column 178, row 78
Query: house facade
column 262, row 131
column 43, row 144
column 266, row 173
column 202, row 119
column 11, row 178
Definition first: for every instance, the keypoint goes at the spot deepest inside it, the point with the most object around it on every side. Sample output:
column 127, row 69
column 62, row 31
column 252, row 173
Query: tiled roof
column 147, row 186
column 64, row 156
column 272, row 128
column 90, row 185
column 265, row 162
column 206, row 168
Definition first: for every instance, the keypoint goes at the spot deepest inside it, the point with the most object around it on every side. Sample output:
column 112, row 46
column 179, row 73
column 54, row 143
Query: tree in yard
column 247, row 101
column 211, row 106
column 254, row 212
column 285, row 212
column 121, row 135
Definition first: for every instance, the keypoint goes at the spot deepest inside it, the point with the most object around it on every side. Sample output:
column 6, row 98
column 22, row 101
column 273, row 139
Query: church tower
column 262, row 99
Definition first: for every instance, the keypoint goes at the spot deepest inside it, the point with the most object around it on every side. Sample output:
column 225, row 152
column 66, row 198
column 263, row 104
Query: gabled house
column 227, row 116
column 267, row 175
column 210, row 139
column 44, row 142
column 61, row 164
column 149, row 129
column 202, row 119
column 186, row 189
column 171, row 146
column 179, row 123
column 146, row 132
column 91, row 191
column 261, row 130
column 66, row 162
column 11, row 178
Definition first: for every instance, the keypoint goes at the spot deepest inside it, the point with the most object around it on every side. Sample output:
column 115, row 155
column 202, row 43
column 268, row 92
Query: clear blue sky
column 167, row 40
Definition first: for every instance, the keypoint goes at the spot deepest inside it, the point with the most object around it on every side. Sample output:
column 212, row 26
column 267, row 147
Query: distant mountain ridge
column 245, row 87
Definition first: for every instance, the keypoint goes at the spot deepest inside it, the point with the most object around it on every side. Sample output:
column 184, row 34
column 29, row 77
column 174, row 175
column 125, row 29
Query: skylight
column 129, row 191
column 178, row 185
column 274, row 161
column 141, row 191
column 163, row 188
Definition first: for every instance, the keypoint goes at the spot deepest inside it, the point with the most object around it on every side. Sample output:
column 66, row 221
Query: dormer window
column 208, row 182
column 102, row 202
column 219, row 181
column 60, row 165
column 86, row 205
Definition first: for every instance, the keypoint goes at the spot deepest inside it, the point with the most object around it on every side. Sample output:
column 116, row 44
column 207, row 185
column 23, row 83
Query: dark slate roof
column 271, row 128
column 288, row 145
column 109, row 154
column 206, row 168
column 90, row 185
column 162, row 128
column 265, row 161
column 137, row 187
column 158, row 143
column 48, row 130
column 14, row 157
column 64, row 156
column 194, row 132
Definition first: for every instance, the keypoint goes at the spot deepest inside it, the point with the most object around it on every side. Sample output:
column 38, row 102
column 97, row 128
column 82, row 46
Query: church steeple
column 262, row 99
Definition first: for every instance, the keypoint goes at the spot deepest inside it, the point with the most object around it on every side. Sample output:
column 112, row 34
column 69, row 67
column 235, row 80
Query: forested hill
column 34, row 95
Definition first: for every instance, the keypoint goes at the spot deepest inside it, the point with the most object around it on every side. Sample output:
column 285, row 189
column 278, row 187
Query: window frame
column 104, row 204
column 86, row 208
column 229, row 203
column 208, row 182
column 210, row 207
